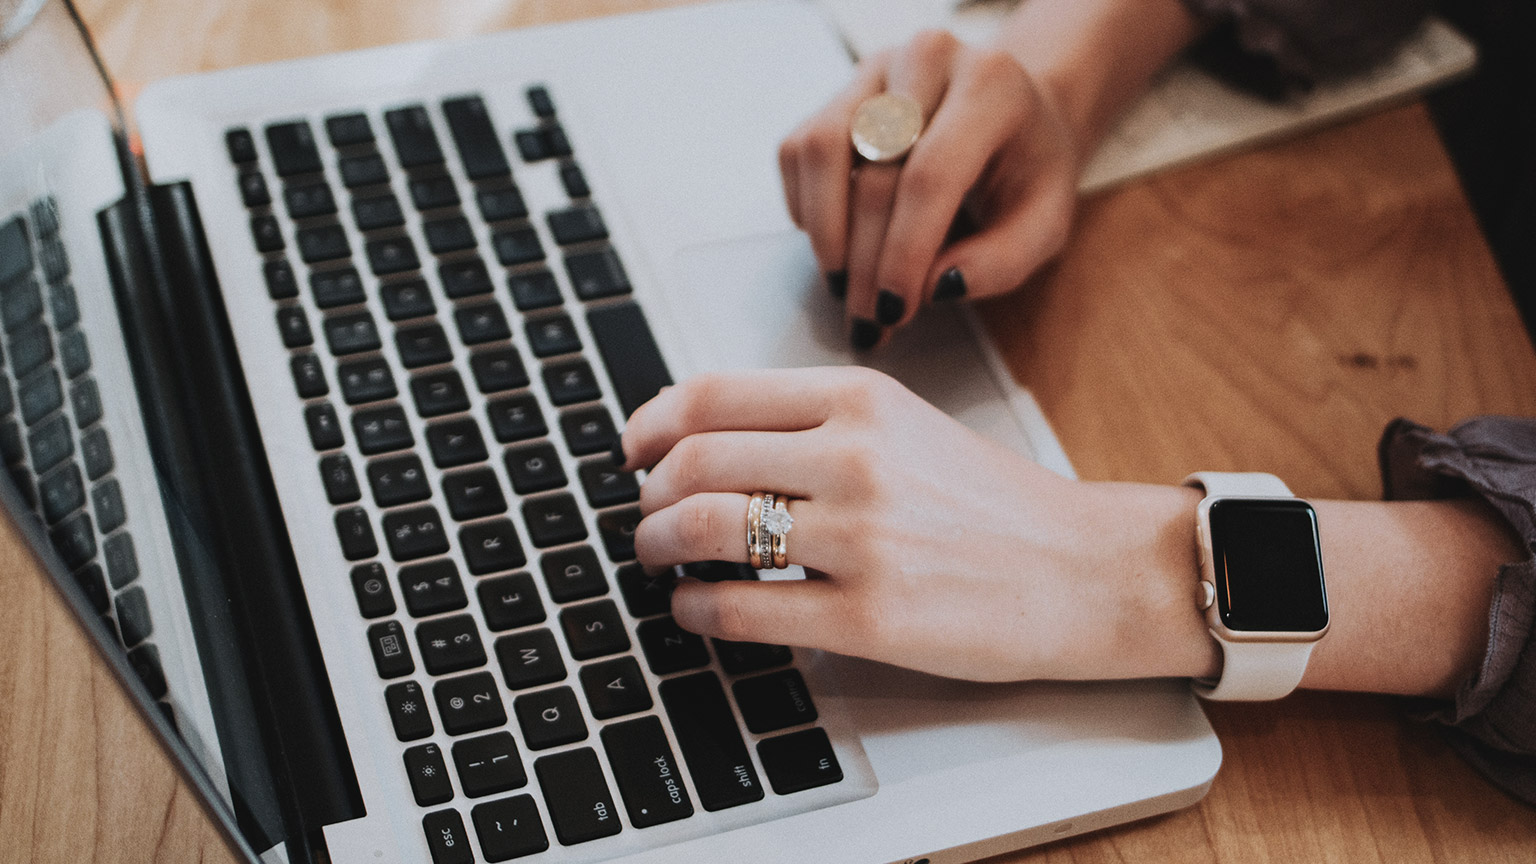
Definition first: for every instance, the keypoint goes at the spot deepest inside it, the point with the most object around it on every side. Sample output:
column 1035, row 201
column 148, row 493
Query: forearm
column 1095, row 56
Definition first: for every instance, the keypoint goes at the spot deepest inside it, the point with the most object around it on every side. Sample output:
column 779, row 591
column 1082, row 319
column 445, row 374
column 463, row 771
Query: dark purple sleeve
column 1492, row 719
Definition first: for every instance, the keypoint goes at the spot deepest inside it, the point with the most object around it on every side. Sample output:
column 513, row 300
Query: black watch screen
column 1269, row 567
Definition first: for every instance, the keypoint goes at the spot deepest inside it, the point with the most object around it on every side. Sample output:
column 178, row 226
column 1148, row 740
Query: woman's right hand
column 996, row 149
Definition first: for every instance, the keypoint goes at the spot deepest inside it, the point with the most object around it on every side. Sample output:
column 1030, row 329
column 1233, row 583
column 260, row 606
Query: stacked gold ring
column 768, row 524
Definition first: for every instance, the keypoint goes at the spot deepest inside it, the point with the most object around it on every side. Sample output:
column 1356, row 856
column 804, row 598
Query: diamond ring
column 768, row 524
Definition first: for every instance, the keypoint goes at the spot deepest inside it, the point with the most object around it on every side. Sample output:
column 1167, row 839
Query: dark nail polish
column 837, row 283
column 618, row 453
column 865, row 334
column 951, row 285
column 889, row 308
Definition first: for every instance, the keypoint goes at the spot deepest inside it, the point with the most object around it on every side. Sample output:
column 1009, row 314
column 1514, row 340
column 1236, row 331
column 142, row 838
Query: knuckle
column 689, row 463
column 994, row 65
column 700, row 528
column 932, row 47
column 729, row 618
column 923, row 179
column 823, row 144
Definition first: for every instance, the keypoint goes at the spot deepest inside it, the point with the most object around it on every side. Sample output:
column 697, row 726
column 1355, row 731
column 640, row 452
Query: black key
column 411, row 130
column 484, row 323
column 352, row 333
column 450, row 645
column 720, row 571
column 424, row 345
column 570, row 382
column 323, row 243
column 532, row 145
column 503, row 202
column 15, row 250
column 597, row 274
column 107, row 503
column 404, row 300
column 588, row 431
column 379, row 211
column 516, row 419
column 615, row 688
column 242, row 148
column 446, row 838
column 573, row 574
column 509, row 828
column 20, row 302
column 279, row 278
column 535, row 468
column 529, row 659
column 391, row 656
column 415, row 533
column 465, row 278
column 574, row 181
column 489, row 764
column 579, row 224
column 10, row 442
column 314, row 199
column 617, row 528
column 94, row 585
column 594, row 630
column 439, row 393
column 366, row 381
column 45, row 216
column 294, row 327
column 580, row 805
column 371, row 585
column 345, row 130
column 553, row 520
column 706, row 732
column 741, row 658
column 469, row 704
column 340, row 480
column 308, row 377
column 133, row 622
column 392, row 255
column 606, row 485
column 428, row 772
column 534, row 290
column 122, row 562
column 498, row 369
column 509, row 602
column 408, row 711
column 293, row 148
column 430, row 193
column 449, row 235
column 25, row 484
column 332, row 288
column 64, row 305
column 267, row 235
column 556, row 141
column 39, row 396
column 364, row 170
column 455, row 442
column 646, row 772
column 669, row 648
column 55, row 263
column 799, row 761
column 538, row 99
column 324, row 428
column 62, row 493
column 490, row 547
column 517, row 246
column 550, row 718
column 145, row 662
column 432, row 588
column 73, row 354
column 554, row 335
column 87, row 406
column 476, row 138
column 50, row 443
column 30, row 347
column 380, row 430
column 774, row 701
column 473, row 494
column 630, row 354
column 356, row 534
column 645, row 594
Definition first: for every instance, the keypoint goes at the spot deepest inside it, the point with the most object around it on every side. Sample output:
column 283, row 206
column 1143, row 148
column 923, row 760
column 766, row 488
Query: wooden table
column 1270, row 311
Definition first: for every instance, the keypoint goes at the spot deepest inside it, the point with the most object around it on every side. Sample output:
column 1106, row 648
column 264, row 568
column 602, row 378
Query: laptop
column 306, row 411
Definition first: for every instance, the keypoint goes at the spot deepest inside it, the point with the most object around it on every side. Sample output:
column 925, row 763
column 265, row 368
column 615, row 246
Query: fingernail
column 889, row 308
column 837, row 283
column 951, row 285
column 865, row 334
column 618, row 453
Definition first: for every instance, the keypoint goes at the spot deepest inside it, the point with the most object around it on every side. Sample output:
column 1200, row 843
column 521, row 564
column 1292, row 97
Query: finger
column 874, row 189
column 712, row 526
column 1001, row 257
column 782, row 462
column 801, row 613
column 789, row 173
column 824, row 157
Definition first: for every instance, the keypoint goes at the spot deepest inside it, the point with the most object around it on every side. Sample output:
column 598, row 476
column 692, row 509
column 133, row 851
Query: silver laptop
column 307, row 413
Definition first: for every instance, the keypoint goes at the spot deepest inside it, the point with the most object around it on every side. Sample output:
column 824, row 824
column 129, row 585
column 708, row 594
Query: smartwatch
column 1261, row 584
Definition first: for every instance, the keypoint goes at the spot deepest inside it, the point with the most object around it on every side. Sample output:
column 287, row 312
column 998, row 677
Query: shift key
column 706, row 731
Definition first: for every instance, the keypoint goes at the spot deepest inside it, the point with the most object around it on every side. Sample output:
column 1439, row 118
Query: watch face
column 1269, row 570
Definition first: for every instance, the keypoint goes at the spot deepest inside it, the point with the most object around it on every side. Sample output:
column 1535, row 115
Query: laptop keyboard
column 52, row 437
column 448, row 394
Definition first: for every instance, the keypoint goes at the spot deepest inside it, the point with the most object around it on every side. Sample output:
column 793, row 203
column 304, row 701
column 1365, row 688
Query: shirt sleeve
column 1492, row 719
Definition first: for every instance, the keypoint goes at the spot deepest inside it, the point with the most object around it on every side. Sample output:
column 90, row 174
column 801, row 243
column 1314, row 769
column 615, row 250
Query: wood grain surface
column 1270, row 311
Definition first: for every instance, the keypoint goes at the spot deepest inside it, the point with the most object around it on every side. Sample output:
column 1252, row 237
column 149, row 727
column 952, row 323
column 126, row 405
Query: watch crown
column 1207, row 595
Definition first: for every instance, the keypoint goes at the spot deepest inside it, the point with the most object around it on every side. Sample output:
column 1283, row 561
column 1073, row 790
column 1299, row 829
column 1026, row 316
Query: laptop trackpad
column 759, row 302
